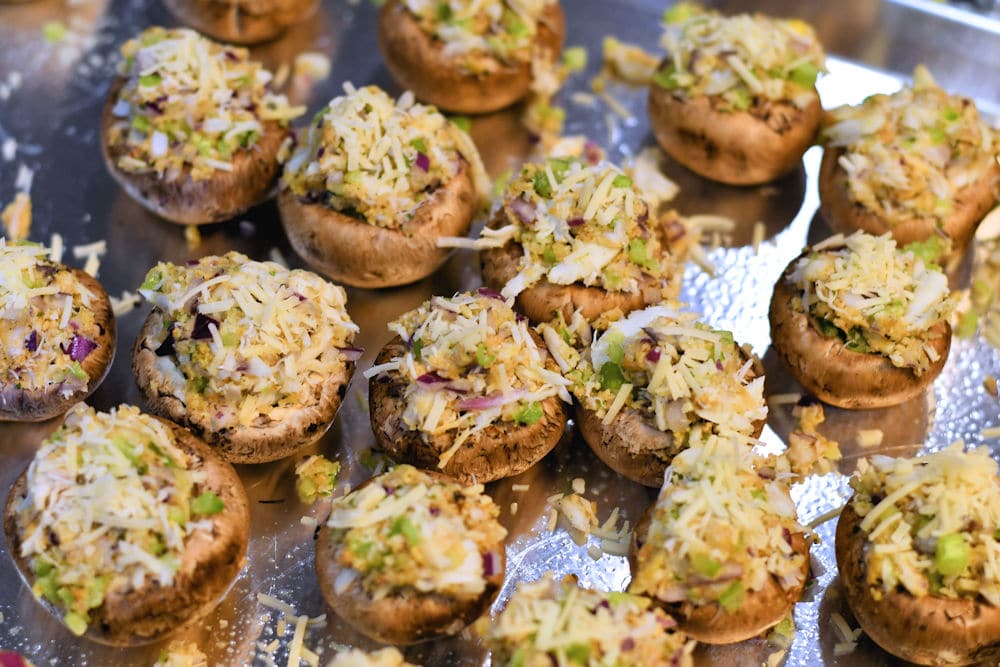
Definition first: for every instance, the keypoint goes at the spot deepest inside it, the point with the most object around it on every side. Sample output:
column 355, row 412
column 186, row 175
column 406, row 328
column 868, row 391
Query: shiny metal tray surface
column 52, row 114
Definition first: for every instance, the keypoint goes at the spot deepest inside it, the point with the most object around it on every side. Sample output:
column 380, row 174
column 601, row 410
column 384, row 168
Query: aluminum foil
column 50, row 99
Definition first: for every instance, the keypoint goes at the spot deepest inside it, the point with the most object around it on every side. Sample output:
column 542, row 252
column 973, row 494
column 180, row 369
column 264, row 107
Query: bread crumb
column 870, row 437
column 990, row 385
column 181, row 654
column 192, row 236
column 579, row 485
column 519, row 488
column 17, row 217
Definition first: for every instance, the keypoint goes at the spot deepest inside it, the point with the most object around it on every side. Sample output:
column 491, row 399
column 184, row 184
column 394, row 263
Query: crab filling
column 719, row 530
column 470, row 362
column 907, row 155
column 931, row 524
column 876, row 298
column 47, row 327
column 739, row 61
column 676, row 372
column 550, row 622
column 376, row 158
column 112, row 500
column 245, row 342
column 407, row 531
column 191, row 104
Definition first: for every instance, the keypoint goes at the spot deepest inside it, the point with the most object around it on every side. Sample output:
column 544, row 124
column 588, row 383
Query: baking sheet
column 50, row 99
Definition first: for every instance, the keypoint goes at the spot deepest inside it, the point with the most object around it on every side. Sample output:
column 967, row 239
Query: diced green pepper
column 967, row 324
column 141, row 123
column 740, row 99
column 679, row 13
column 732, row 598
column 54, row 32
column 402, row 525
column 420, row 145
column 578, row 653
column 176, row 514
column 559, row 167
column 856, row 341
column 621, row 181
column 575, row 58
column 951, row 555
column 667, row 77
column 549, row 255
column 153, row 279
column 483, row 356
column 418, row 348
column 76, row 370
column 614, row 342
column 612, row 376
column 827, row 328
column 542, row 186
column 444, row 13
column 464, row 123
column 207, row 504
column 76, row 623
column 199, row 384
column 705, row 566
column 929, row 251
column 950, row 115
column 150, row 80
column 804, row 75
column 937, row 135
column 529, row 414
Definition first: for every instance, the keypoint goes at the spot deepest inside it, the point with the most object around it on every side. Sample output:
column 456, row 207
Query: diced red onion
column 201, row 330
column 627, row 644
column 667, row 621
column 11, row 659
column 351, row 353
column 524, row 210
column 79, row 347
column 592, row 152
column 166, row 348
column 787, row 534
column 490, row 293
column 718, row 365
column 490, row 564
column 575, row 222
column 653, row 354
column 482, row 402
column 31, row 342
column 423, row 162
column 431, row 378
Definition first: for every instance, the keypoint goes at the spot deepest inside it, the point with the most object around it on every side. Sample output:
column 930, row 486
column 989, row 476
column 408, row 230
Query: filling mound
column 189, row 103
column 580, row 223
column 741, row 61
column 470, row 362
column 876, row 298
column 406, row 530
column 719, row 530
column 111, row 502
column 244, row 342
column 677, row 373
column 47, row 326
column 376, row 158
column 931, row 524
column 909, row 154
column 549, row 622
column 476, row 33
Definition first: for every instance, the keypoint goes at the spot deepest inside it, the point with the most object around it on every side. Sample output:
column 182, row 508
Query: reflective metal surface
column 52, row 115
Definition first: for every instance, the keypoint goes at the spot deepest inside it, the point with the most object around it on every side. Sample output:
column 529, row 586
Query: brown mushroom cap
column 241, row 21
column 836, row 375
column 356, row 253
column 735, row 147
column 27, row 405
column 195, row 202
column 209, row 563
column 843, row 214
column 407, row 616
column 266, row 439
column 543, row 300
column 710, row 623
column 627, row 430
column 501, row 450
column 927, row 630
column 418, row 63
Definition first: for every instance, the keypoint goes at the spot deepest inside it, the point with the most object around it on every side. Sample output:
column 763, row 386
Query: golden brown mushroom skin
column 836, row 375
column 710, row 623
column 186, row 201
column 352, row 252
column 263, row 441
column 418, row 63
column 241, row 21
column 26, row 405
column 927, row 630
column 734, row 147
column 543, row 301
column 843, row 214
column 209, row 563
column 501, row 450
column 408, row 616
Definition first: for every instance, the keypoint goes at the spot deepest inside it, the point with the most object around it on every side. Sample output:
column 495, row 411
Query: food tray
column 50, row 99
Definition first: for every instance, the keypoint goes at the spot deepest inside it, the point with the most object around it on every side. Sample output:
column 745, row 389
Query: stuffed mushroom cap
column 570, row 236
column 57, row 336
column 374, row 184
column 252, row 356
column 919, row 164
column 467, row 388
column 549, row 620
column 860, row 323
column 162, row 545
column 445, row 546
column 190, row 130
column 470, row 57
column 653, row 377
column 735, row 100
column 241, row 21
column 916, row 546
column 721, row 549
